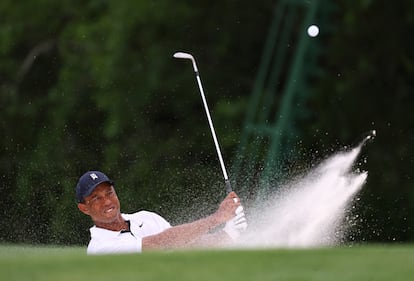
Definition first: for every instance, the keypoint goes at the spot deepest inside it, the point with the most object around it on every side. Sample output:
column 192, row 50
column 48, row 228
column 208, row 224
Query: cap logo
column 93, row 176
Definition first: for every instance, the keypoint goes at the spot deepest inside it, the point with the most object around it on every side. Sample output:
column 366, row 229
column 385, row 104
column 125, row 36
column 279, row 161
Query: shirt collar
column 98, row 232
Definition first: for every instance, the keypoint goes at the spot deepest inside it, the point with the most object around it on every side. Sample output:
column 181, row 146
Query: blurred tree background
column 92, row 85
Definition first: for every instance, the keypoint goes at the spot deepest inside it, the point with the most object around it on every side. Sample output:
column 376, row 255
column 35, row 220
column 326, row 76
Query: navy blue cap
column 88, row 182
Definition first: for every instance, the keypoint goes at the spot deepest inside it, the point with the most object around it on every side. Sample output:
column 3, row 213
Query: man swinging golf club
column 115, row 232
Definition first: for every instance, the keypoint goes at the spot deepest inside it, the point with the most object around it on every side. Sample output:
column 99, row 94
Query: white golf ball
column 313, row 30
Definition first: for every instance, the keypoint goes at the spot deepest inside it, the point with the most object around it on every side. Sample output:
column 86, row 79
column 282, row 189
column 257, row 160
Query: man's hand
column 236, row 225
column 227, row 208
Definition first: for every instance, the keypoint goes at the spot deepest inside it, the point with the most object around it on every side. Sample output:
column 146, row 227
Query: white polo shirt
column 142, row 224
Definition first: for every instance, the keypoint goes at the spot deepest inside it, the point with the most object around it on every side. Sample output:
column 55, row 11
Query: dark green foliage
column 93, row 85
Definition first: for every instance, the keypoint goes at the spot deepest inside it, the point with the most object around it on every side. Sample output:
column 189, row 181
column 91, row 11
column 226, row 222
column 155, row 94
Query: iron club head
column 181, row 55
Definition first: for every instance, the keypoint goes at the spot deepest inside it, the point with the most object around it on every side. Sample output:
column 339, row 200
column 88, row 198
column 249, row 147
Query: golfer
column 115, row 232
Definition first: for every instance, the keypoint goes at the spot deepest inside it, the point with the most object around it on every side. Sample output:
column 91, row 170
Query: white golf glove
column 236, row 225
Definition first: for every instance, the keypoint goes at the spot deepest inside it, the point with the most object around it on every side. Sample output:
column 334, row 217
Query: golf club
column 181, row 55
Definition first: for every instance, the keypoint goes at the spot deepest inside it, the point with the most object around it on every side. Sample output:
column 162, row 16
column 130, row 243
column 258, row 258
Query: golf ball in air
column 313, row 30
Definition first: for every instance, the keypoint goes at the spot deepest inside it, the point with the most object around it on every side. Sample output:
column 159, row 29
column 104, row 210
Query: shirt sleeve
column 154, row 223
column 162, row 223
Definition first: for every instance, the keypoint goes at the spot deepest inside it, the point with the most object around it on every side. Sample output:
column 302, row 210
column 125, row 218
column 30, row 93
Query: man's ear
column 83, row 208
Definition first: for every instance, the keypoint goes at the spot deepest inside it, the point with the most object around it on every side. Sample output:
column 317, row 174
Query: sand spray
column 309, row 210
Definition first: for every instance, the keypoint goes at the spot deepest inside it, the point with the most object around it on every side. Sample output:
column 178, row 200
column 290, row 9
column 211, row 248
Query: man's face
column 102, row 205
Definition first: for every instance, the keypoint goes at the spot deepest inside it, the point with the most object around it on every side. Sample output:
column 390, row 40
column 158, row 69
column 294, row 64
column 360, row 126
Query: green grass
column 356, row 263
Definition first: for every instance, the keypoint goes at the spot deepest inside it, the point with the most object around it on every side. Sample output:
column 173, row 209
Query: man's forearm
column 181, row 235
column 212, row 240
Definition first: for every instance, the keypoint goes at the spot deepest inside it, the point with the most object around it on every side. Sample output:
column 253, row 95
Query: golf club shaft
column 213, row 133
column 210, row 122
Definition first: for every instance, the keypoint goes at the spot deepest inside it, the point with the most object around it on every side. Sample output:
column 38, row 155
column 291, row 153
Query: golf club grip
column 228, row 186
